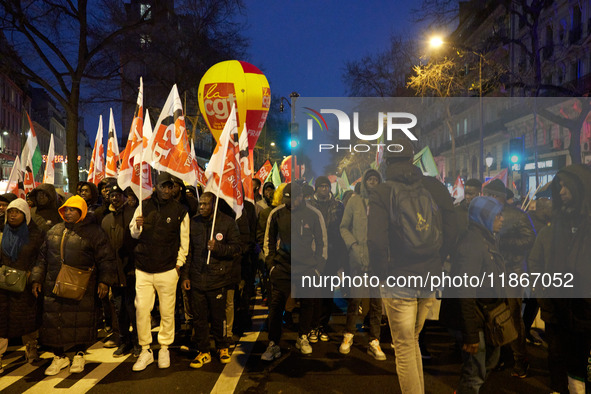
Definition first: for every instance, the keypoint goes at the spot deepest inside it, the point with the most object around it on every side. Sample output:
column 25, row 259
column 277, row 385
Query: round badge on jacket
column 219, row 236
column 168, row 220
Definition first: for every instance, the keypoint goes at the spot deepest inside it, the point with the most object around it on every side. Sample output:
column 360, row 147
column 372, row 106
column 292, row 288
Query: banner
column 245, row 166
column 49, row 175
column 263, row 172
column 96, row 172
column 135, row 172
column 112, row 167
column 168, row 149
column 223, row 170
column 286, row 168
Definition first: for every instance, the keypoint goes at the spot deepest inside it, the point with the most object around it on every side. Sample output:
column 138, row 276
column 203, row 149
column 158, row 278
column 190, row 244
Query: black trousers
column 124, row 301
column 557, row 338
column 209, row 306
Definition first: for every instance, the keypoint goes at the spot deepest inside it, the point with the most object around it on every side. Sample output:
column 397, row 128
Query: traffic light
column 516, row 150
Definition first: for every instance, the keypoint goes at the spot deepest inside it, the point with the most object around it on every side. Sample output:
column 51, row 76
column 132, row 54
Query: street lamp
column 437, row 42
column 489, row 160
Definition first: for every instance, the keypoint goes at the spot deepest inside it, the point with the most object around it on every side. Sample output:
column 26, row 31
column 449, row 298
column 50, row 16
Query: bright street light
column 272, row 144
column 435, row 42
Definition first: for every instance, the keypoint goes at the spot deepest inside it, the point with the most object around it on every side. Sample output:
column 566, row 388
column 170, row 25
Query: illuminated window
column 146, row 9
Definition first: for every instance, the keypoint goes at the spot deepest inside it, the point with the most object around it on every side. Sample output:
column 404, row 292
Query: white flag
column 112, row 167
column 49, row 175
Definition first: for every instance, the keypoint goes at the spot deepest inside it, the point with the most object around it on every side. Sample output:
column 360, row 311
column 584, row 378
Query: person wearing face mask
column 21, row 241
column 69, row 324
column 354, row 232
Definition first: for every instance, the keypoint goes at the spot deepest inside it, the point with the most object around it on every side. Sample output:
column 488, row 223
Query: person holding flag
column 161, row 226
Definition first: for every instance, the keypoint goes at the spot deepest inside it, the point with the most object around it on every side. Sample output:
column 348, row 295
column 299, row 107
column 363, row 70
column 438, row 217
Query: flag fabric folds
column 286, row 168
column 246, row 166
column 223, row 170
column 264, row 171
column 31, row 150
column 425, row 161
column 458, row 190
column 96, row 172
column 135, row 172
column 112, row 167
column 274, row 176
column 49, row 175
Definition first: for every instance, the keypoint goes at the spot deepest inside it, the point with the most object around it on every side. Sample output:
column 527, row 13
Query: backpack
column 415, row 219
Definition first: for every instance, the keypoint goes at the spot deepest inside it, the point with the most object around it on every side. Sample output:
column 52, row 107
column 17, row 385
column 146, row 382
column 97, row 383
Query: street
column 325, row 370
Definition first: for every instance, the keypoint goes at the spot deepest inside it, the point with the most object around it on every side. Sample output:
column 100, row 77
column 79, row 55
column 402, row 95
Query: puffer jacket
column 516, row 237
column 218, row 273
column 477, row 254
column 46, row 216
column 354, row 226
column 19, row 312
column 116, row 225
column 68, row 322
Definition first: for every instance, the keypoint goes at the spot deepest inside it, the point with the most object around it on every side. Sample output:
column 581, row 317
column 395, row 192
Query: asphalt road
column 323, row 371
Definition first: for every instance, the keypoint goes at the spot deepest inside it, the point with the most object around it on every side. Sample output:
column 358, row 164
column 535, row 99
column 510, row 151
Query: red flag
column 286, row 169
column 223, row 171
column 245, row 166
column 112, row 168
column 168, row 149
column 264, row 171
column 201, row 178
column 135, row 172
column 96, row 172
column 501, row 175
column 458, row 190
column 15, row 180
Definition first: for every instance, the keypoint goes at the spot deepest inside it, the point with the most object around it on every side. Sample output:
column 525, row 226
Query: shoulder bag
column 499, row 327
column 71, row 282
column 12, row 279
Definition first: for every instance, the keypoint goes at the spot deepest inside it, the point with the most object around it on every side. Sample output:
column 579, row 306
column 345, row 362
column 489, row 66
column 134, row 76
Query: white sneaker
column 345, row 347
column 78, row 363
column 273, row 351
column 163, row 358
column 375, row 350
column 303, row 344
column 146, row 358
column 57, row 365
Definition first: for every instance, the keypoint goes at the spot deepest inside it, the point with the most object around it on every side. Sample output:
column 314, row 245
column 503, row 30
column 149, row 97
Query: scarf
column 13, row 239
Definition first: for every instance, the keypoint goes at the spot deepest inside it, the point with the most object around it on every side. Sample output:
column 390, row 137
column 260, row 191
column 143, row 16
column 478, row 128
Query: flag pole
column 217, row 200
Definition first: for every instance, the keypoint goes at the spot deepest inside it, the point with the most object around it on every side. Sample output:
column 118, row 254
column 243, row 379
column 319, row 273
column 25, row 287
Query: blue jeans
column 406, row 317
column 477, row 366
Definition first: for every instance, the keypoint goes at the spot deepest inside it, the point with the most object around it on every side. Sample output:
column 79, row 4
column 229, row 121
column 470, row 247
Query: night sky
column 303, row 46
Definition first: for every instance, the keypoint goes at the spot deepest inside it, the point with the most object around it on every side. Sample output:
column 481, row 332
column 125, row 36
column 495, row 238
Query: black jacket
column 68, row 322
column 19, row 311
column 218, row 273
column 45, row 216
column 516, row 237
column 382, row 241
column 160, row 238
column 476, row 253
column 116, row 226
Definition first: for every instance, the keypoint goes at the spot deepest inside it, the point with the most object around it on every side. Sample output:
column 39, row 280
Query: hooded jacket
column 354, row 226
column 85, row 245
column 382, row 242
column 116, row 225
column 477, row 253
column 565, row 247
column 46, row 216
column 19, row 311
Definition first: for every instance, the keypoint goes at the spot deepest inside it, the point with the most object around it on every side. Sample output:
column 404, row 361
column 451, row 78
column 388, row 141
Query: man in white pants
column 162, row 229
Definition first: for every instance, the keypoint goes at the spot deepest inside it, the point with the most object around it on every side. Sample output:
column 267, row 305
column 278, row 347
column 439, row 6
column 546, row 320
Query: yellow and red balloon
column 240, row 83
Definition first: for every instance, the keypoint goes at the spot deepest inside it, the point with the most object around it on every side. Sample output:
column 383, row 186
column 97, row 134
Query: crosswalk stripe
column 20, row 372
column 15, row 355
column 232, row 372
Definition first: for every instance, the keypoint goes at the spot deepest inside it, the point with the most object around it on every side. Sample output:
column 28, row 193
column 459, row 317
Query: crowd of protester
column 184, row 258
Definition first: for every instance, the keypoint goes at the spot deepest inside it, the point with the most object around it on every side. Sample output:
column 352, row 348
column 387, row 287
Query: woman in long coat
column 68, row 323
column 21, row 241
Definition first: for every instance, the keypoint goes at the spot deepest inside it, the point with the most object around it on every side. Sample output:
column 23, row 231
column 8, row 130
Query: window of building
column 465, row 125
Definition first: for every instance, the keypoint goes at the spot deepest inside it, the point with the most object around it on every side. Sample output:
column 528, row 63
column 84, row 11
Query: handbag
column 12, row 279
column 499, row 327
column 71, row 282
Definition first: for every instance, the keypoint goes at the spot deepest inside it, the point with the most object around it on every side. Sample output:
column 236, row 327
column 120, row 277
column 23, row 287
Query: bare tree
column 381, row 74
column 60, row 44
